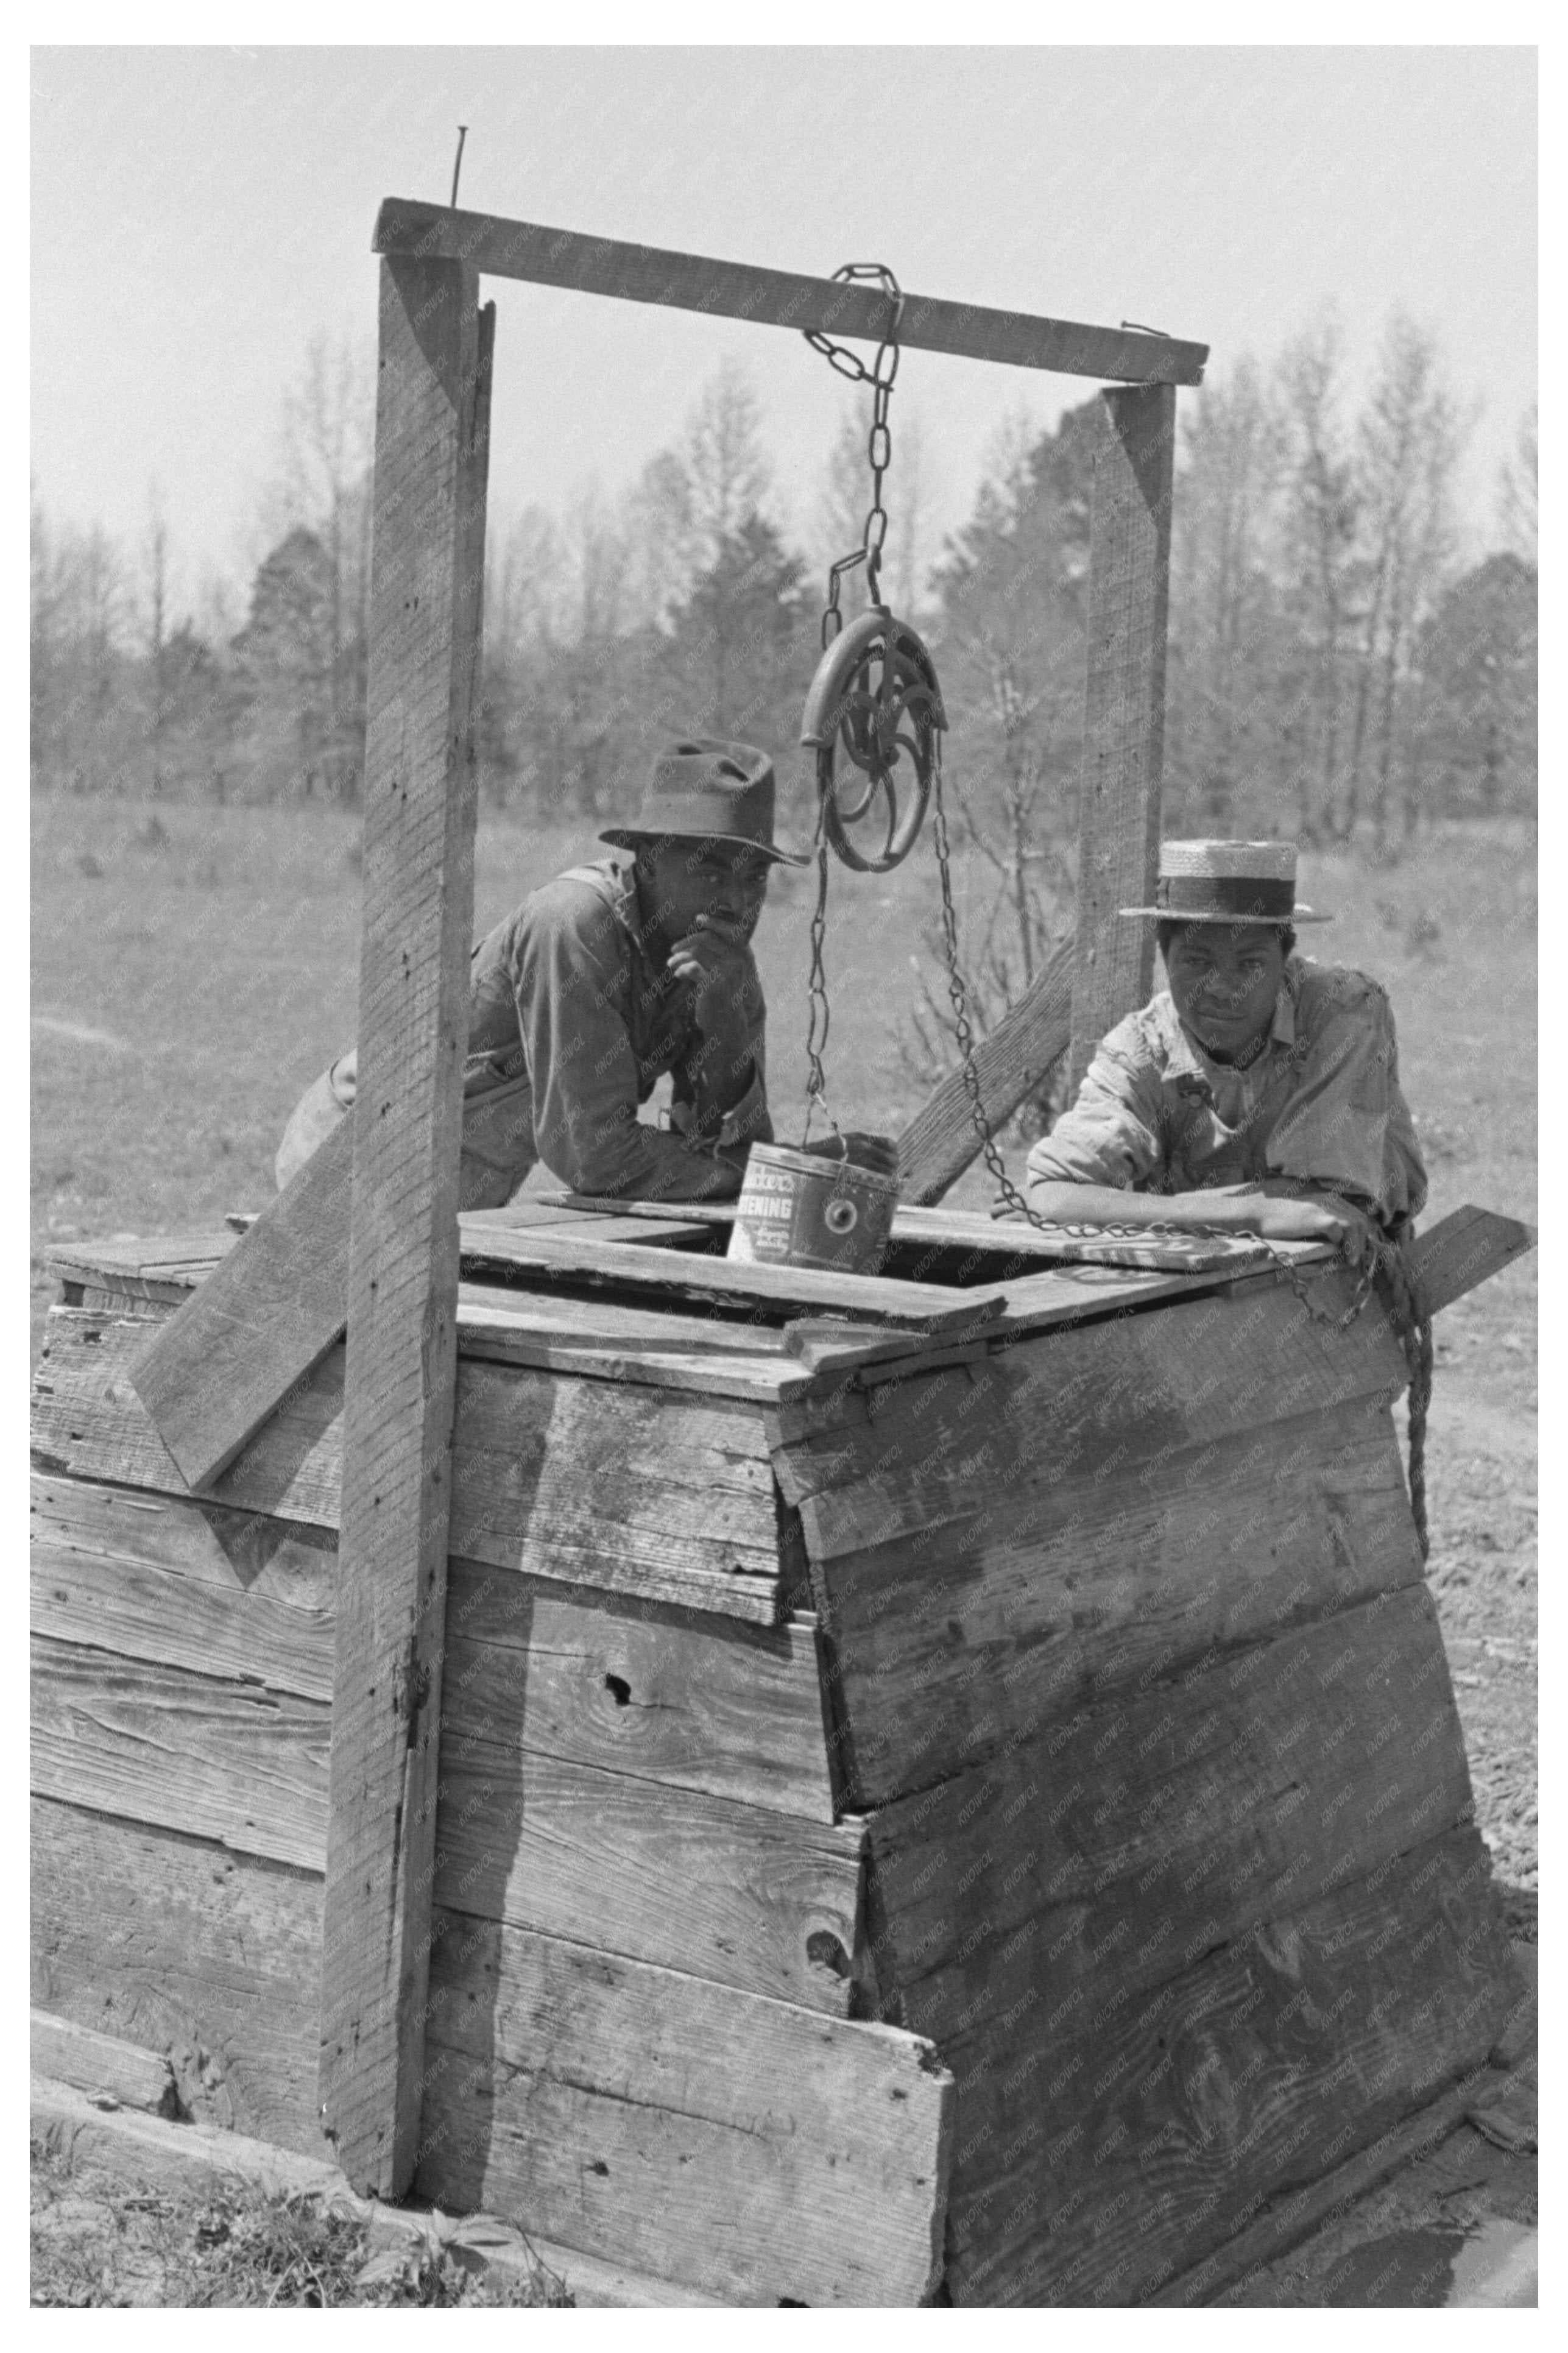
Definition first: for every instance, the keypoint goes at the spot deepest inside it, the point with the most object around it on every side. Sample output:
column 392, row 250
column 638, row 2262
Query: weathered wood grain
column 1175, row 2116
column 90, row 1424
column 150, row 1255
column 565, row 1477
column 1127, row 1840
column 1124, row 713
column 111, row 2072
column 783, row 1290
column 1011, row 1062
column 1145, row 1384
column 155, row 1579
column 944, row 1657
column 284, row 1564
column 759, row 2149
column 234, row 1762
column 432, row 453
column 608, row 1340
column 653, row 1691
column 777, row 297
column 1464, row 1248
column 743, row 1895
column 268, row 1311
column 203, row 1957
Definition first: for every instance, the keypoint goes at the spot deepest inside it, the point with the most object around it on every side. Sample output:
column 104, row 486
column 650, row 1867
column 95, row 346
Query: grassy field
column 193, row 969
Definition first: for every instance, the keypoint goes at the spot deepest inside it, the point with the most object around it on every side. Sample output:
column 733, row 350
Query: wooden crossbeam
column 778, row 298
column 427, row 580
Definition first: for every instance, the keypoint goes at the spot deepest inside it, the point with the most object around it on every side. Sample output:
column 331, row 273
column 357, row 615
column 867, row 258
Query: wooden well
column 957, row 1797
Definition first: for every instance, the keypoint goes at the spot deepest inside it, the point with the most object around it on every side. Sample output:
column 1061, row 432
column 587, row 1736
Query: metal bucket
column 797, row 1211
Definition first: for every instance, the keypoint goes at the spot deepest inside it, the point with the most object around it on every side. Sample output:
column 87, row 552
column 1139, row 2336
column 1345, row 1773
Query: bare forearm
column 1096, row 1204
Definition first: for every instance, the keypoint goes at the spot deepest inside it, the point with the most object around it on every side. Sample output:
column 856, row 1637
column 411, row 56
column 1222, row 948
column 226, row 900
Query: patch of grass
column 94, row 2246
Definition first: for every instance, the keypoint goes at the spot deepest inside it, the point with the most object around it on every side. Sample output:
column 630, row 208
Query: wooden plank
column 572, row 1335
column 777, row 297
column 90, row 1424
column 1123, row 1842
column 747, row 1896
column 88, row 1421
column 948, row 1653
column 237, row 1763
column 133, row 1255
column 1199, row 1369
column 652, row 1692
column 206, row 2162
column 152, row 1579
column 1011, row 1063
column 113, row 2074
column 1124, row 714
column 268, row 1312
column 781, row 1291
column 1172, row 2119
column 432, row 449
column 759, row 2149
column 597, row 1484
column 620, row 1325
column 1292, row 2218
column 202, row 1956
column 289, row 1568
column 1467, row 1247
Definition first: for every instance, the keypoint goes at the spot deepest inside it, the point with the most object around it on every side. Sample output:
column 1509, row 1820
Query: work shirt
column 573, row 1020
column 1319, row 1105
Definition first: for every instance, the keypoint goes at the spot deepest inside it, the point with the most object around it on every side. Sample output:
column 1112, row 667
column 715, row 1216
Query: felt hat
column 1228, row 883
column 703, row 789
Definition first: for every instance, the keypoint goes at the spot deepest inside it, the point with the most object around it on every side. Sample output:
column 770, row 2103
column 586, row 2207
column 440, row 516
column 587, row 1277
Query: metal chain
column 818, row 1011
column 1011, row 1198
column 880, row 376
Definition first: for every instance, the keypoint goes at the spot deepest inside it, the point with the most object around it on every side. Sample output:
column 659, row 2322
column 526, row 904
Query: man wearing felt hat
column 1259, row 1092
column 604, row 979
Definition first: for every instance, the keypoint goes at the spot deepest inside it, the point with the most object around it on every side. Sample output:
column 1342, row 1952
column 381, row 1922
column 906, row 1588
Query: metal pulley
column 873, row 716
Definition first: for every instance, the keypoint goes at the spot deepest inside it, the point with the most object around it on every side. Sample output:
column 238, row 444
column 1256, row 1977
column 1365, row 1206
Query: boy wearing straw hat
column 604, row 979
column 1259, row 1092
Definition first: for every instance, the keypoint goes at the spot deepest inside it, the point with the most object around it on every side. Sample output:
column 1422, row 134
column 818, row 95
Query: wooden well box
column 952, row 1794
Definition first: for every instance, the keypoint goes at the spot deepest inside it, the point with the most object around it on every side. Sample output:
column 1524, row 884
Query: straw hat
column 1228, row 883
column 704, row 789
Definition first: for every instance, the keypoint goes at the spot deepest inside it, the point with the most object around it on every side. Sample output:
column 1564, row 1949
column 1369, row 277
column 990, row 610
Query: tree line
column 1342, row 667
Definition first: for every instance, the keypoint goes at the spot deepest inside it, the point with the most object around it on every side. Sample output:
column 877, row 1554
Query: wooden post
column 1118, row 826
column 426, row 573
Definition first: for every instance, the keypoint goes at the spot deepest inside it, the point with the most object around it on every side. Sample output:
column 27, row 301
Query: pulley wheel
column 873, row 716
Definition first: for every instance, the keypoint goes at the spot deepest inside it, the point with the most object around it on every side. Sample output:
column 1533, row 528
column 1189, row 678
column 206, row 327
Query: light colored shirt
column 1321, row 1104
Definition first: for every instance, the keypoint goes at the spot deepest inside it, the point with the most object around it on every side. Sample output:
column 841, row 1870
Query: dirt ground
column 193, row 969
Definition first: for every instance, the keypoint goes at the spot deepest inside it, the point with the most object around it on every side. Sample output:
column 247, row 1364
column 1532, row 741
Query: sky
column 199, row 214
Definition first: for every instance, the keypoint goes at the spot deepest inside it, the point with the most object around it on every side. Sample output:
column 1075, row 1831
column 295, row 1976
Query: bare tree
column 1518, row 486
column 325, row 452
column 156, row 565
column 1317, row 560
column 1225, row 606
column 1409, row 442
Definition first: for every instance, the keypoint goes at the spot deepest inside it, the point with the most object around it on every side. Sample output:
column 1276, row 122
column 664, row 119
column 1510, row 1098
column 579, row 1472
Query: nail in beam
column 779, row 298
column 426, row 571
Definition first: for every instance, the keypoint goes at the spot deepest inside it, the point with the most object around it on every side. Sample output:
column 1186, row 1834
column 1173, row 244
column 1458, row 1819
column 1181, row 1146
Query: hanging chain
column 880, row 376
column 818, row 1011
column 1011, row 1197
